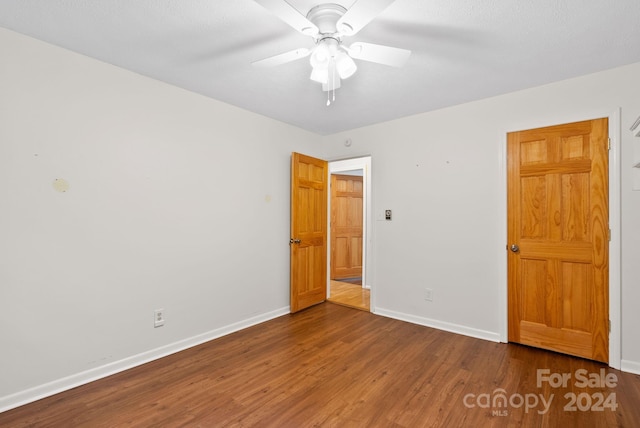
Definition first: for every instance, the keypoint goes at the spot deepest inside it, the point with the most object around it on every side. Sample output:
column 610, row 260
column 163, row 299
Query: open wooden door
column 558, row 231
column 346, row 226
column 308, row 243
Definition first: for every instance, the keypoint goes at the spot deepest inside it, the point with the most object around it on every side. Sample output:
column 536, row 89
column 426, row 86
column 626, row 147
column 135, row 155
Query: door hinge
column 608, row 143
column 609, row 235
column 609, row 326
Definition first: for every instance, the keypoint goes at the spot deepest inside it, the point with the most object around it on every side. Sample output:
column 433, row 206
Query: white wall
column 176, row 201
column 442, row 175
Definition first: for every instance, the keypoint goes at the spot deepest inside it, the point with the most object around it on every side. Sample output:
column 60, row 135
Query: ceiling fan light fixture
column 345, row 66
column 320, row 75
column 320, row 57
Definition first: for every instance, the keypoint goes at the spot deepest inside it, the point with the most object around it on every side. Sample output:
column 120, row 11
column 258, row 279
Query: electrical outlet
column 428, row 294
column 158, row 318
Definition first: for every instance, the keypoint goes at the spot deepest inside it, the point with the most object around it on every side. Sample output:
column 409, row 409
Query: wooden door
column 308, row 243
column 558, row 226
column 346, row 226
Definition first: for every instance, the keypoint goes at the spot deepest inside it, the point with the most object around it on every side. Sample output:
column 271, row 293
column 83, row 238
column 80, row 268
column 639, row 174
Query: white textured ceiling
column 463, row 50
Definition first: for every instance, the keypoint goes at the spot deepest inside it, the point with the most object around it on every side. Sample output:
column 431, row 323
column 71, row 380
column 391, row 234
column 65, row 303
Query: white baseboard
column 440, row 325
column 625, row 366
column 630, row 366
column 41, row 391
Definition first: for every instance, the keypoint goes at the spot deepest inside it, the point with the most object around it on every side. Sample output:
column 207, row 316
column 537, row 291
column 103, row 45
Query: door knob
column 514, row 248
column 294, row 241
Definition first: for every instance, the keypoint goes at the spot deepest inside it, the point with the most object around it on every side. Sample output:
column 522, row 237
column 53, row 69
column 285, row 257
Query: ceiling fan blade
column 282, row 58
column 283, row 10
column 395, row 57
column 360, row 14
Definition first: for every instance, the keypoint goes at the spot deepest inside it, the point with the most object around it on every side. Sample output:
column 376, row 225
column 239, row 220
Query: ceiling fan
column 327, row 24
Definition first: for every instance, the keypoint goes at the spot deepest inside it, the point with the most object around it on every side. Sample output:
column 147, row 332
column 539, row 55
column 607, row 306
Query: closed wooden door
column 308, row 243
column 558, row 238
column 346, row 226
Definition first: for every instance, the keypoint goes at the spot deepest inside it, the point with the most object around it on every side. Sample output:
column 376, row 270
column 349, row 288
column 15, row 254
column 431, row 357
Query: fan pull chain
column 334, row 81
column 328, row 92
column 333, row 86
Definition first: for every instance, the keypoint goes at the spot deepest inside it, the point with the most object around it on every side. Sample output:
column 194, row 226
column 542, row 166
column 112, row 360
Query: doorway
column 349, row 221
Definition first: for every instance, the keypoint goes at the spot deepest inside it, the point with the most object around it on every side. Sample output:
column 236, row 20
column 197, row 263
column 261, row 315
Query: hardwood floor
column 351, row 295
column 333, row 366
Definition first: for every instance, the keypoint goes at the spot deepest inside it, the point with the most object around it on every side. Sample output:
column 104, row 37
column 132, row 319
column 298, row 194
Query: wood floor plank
column 334, row 366
column 350, row 295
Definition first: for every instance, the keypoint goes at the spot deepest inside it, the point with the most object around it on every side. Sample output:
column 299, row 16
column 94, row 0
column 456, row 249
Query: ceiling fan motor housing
column 325, row 17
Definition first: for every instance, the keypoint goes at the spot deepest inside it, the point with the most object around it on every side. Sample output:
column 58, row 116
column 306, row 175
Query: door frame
column 615, row 283
column 336, row 167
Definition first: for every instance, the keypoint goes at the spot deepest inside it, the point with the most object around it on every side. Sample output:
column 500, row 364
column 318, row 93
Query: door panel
column 346, row 226
column 308, row 244
column 558, row 217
